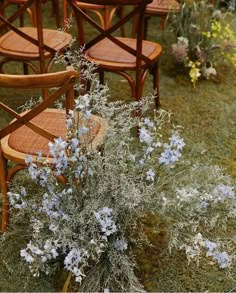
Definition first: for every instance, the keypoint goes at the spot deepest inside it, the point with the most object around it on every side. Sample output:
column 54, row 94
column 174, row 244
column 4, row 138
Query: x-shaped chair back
column 34, row 43
column 64, row 79
column 9, row 24
column 137, row 10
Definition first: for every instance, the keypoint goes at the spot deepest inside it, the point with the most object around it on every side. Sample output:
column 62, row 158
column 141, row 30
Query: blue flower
column 176, row 141
column 144, row 136
column 169, row 156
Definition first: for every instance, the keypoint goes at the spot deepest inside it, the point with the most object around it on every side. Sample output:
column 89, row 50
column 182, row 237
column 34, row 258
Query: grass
column 207, row 114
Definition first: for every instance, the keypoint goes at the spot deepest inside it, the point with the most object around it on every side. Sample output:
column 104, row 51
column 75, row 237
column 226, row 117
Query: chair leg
column 101, row 77
column 56, row 12
column 162, row 23
column 146, row 19
column 25, row 69
column 5, row 202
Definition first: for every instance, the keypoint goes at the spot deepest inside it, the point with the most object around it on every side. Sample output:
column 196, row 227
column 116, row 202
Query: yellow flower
column 194, row 71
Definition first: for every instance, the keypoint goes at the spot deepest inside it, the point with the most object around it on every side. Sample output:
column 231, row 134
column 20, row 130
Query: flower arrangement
column 202, row 39
column 89, row 225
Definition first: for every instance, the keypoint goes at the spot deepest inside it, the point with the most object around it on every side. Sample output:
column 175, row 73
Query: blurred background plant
column 201, row 38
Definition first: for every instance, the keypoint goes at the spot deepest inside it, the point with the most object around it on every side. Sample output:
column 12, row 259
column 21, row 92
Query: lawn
column 207, row 115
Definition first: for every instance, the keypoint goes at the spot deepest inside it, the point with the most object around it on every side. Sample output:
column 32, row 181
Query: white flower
column 83, row 130
column 141, row 162
column 186, row 194
column 207, row 72
column 26, row 256
column 28, row 160
column 120, row 245
column 149, row 150
column 82, row 102
column 183, row 41
column 150, row 175
column 148, row 122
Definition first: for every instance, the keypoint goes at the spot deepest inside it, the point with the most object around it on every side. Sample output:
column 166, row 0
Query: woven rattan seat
column 163, row 7
column 26, row 141
column 27, row 50
column 106, row 51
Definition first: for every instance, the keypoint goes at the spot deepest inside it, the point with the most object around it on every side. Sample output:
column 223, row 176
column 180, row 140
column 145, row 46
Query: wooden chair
column 30, row 44
column 104, row 13
column 160, row 8
column 31, row 12
column 31, row 131
column 118, row 54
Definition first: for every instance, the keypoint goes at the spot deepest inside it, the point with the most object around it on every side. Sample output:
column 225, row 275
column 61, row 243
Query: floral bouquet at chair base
column 201, row 39
column 89, row 224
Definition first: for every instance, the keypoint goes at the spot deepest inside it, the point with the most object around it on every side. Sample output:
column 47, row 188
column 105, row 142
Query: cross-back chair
column 118, row 54
column 33, row 46
column 160, row 8
column 32, row 130
column 55, row 10
column 104, row 13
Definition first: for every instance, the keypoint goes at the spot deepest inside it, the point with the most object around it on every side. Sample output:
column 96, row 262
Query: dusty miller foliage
column 89, row 225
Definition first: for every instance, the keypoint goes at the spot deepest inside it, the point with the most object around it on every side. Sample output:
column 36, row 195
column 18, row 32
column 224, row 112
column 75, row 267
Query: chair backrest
column 136, row 10
column 62, row 83
column 10, row 24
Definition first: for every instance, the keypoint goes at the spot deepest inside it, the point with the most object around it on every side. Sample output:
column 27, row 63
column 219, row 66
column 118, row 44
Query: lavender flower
column 210, row 246
column 104, row 217
column 176, row 141
column 222, row 192
column 75, row 258
column 58, row 151
column 70, row 119
column 144, row 136
column 169, row 156
column 222, row 258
